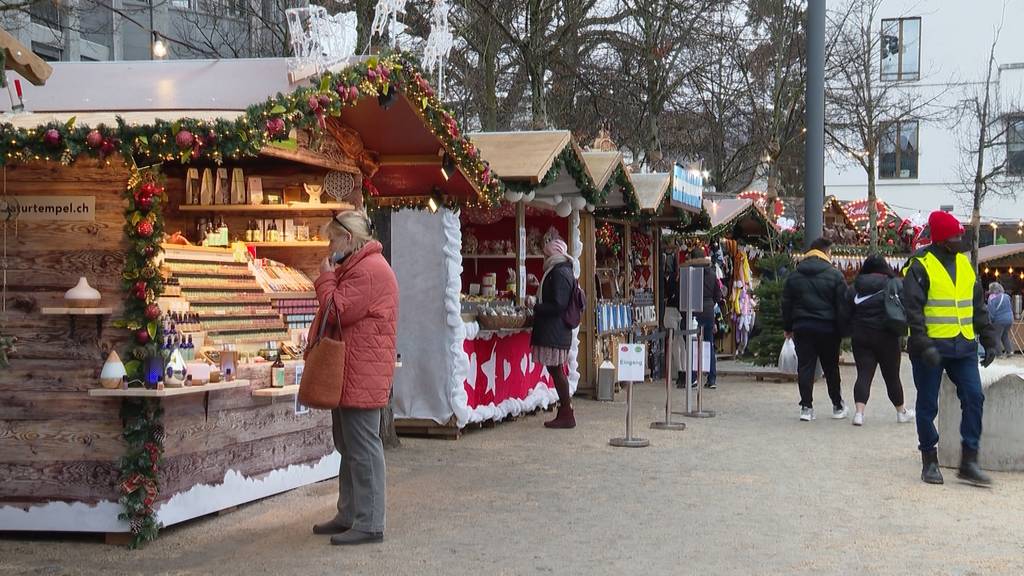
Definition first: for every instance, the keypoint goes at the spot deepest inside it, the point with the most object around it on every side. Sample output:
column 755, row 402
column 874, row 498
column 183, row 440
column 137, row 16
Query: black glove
column 990, row 357
column 932, row 357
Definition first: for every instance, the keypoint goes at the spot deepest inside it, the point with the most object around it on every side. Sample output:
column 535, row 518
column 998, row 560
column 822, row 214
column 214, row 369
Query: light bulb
column 159, row 49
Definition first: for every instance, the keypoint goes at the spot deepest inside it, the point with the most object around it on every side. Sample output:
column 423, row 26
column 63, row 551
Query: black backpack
column 895, row 315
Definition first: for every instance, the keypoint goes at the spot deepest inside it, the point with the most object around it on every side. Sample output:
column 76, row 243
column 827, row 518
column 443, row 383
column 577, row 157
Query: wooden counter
column 60, row 446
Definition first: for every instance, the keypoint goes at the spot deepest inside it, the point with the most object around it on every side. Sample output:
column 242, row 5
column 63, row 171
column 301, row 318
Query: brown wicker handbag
column 323, row 379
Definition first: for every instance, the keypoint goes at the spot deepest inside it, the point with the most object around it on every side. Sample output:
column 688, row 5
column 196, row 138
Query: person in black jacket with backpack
column 551, row 338
column 814, row 314
column 876, row 341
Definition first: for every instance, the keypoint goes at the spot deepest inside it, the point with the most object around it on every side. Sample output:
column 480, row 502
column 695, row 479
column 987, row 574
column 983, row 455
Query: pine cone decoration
column 158, row 434
column 135, row 525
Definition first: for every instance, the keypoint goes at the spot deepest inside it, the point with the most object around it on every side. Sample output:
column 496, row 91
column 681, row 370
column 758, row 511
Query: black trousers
column 871, row 350
column 811, row 348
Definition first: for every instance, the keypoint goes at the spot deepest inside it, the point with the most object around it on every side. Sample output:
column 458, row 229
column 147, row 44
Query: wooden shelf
column 57, row 311
column 292, row 295
column 292, row 244
column 166, row 392
column 260, row 208
column 499, row 257
column 276, row 392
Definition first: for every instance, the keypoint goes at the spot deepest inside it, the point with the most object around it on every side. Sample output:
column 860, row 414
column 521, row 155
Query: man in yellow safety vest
column 945, row 308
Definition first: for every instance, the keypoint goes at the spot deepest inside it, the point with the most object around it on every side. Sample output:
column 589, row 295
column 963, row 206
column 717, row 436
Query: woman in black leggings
column 873, row 344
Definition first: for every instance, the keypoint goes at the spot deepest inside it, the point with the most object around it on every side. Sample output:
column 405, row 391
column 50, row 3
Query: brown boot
column 564, row 419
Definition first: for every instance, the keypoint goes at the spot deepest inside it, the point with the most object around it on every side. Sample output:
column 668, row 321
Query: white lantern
column 530, row 196
column 590, row 207
column 564, row 209
column 513, row 196
column 557, row 198
column 578, row 202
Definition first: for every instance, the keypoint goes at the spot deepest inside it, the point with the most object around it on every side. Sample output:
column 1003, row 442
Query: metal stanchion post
column 668, row 424
column 687, row 351
column 629, row 441
column 700, row 412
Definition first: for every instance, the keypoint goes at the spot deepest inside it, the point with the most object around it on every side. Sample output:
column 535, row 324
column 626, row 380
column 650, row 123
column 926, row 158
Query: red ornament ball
column 353, row 93
column 891, row 242
column 324, row 100
column 107, row 147
column 51, row 138
column 142, row 336
column 211, row 138
column 144, row 228
column 145, row 203
column 892, row 225
column 149, row 188
column 184, row 139
column 94, row 139
column 152, row 312
column 275, row 126
column 148, row 251
column 313, row 103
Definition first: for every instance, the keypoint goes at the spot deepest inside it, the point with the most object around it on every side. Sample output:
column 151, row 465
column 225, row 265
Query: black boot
column 969, row 471
column 930, row 468
column 680, row 380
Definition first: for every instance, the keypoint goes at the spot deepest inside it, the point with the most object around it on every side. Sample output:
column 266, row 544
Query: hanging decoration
column 385, row 17
column 143, row 285
column 319, row 41
column 439, row 43
column 608, row 238
column 573, row 165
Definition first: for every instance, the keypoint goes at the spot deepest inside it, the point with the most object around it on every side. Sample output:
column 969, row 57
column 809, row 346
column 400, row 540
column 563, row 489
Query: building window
column 1015, row 147
column 901, row 49
column 899, row 150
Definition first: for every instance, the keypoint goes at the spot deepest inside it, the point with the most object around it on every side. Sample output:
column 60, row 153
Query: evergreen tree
column 767, row 344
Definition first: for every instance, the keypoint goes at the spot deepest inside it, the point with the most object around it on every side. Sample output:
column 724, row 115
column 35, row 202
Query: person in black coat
column 814, row 314
column 874, row 343
column 551, row 338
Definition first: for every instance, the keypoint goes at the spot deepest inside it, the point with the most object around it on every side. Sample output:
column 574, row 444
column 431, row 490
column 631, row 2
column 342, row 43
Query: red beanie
column 944, row 226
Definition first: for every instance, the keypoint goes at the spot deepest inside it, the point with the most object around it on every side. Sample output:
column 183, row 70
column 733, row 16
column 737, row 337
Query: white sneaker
column 906, row 416
column 806, row 414
column 858, row 419
column 840, row 413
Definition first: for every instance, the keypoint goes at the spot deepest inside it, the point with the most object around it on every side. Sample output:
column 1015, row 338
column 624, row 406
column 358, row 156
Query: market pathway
column 750, row 492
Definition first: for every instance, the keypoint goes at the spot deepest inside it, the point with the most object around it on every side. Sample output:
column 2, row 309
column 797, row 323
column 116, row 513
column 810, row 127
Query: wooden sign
column 51, row 208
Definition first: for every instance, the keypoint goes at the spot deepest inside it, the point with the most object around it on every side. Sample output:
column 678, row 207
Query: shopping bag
column 787, row 357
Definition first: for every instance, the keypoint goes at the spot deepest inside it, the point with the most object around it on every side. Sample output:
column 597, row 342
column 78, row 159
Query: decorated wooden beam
column 23, row 61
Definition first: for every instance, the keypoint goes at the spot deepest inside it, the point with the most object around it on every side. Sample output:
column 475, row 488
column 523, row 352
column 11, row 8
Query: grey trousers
column 361, row 481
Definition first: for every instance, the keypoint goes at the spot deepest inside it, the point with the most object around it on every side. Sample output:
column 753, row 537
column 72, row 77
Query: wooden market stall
column 102, row 195
column 1004, row 263
column 492, row 258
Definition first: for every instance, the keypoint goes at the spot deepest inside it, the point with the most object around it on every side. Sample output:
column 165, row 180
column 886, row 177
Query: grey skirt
column 546, row 356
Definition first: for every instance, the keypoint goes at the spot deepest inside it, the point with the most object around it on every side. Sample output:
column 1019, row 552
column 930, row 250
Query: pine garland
column 188, row 140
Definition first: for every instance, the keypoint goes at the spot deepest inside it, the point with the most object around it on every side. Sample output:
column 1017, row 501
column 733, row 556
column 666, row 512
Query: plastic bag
column 787, row 357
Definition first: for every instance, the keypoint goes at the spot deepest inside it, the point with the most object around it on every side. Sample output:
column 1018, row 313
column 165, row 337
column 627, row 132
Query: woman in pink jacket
column 362, row 286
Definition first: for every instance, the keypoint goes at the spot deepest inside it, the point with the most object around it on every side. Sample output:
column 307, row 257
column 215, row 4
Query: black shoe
column 930, row 468
column 330, row 527
column 969, row 471
column 680, row 381
column 356, row 537
column 711, row 386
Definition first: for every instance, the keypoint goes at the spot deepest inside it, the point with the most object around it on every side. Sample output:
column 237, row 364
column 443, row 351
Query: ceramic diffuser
column 113, row 371
column 82, row 295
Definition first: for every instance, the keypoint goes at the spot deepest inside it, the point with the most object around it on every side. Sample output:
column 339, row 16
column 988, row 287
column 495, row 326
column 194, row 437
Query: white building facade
column 942, row 47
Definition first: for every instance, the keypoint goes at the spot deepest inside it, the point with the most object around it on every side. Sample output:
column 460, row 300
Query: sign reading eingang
column 49, row 208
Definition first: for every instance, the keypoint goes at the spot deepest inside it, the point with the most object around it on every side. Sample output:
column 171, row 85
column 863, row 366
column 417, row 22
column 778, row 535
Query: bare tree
column 983, row 125
column 863, row 109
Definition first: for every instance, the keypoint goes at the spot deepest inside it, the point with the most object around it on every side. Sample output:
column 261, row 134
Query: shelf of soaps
column 232, row 324
column 248, row 284
column 189, row 268
column 298, row 313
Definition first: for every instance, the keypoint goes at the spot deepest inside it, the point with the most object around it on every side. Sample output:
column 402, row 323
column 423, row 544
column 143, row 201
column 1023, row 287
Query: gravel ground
column 752, row 491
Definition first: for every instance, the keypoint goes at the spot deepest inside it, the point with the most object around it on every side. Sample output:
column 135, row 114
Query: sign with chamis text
column 632, row 363
column 49, row 208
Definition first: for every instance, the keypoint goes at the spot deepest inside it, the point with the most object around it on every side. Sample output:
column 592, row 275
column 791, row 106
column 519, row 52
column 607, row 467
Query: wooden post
column 588, row 338
column 627, row 285
column 520, row 253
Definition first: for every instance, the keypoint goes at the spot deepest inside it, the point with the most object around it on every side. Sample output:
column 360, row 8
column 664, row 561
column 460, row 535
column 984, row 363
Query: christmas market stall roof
column 545, row 164
column 381, row 117
column 614, row 181
column 651, row 189
column 1001, row 254
column 602, row 165
column 23, row 61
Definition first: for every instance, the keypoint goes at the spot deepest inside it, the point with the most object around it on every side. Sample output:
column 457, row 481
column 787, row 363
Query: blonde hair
column 354, row 223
